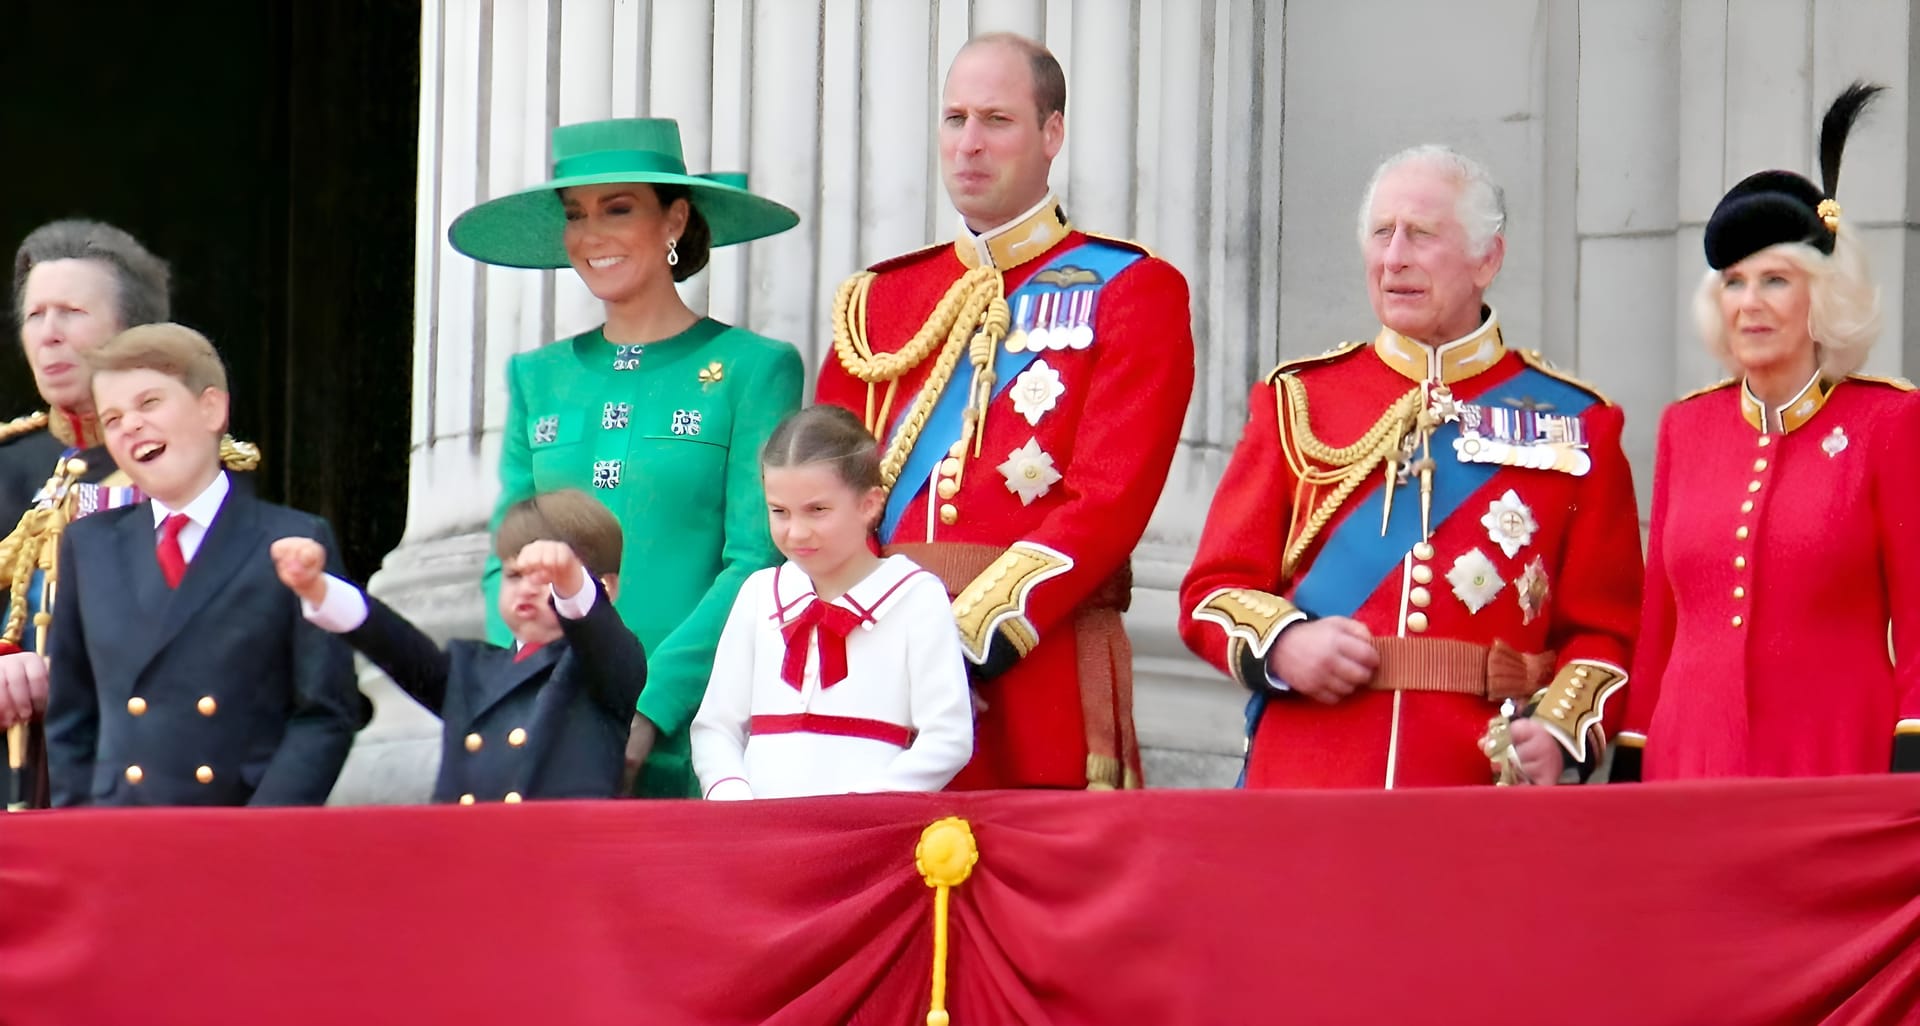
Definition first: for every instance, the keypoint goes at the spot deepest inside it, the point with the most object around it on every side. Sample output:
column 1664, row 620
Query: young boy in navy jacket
column 547, row 718
column 180, row 672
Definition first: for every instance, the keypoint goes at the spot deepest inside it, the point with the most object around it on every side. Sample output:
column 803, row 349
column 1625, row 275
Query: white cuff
column 730, row 789
column 579, row 604
column 342, row 609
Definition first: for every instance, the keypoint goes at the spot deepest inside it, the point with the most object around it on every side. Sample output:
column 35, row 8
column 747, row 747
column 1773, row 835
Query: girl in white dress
column 840, row 670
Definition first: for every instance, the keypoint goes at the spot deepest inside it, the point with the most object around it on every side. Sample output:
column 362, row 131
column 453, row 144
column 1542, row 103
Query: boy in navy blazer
column 547, row 718
column 180, row 672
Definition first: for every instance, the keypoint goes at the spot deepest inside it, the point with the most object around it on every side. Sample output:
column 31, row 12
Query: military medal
column 1834, row 444
column 1016, row 340
column 1476, row 581
column 1522, row 436
column 1029, row 472
column 1080, row 336
column 1036, row 391
column 1040, row 336
column 1532, row 590
column 1509, row 523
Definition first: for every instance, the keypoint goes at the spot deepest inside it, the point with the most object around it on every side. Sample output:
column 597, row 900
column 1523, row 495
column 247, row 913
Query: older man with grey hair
column 1424, row 558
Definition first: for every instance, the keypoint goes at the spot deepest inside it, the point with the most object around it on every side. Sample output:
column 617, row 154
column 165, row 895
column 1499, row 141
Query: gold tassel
column 945, row 857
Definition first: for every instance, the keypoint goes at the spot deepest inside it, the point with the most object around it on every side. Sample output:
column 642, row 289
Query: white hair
column 1481, row 209
column 1843, row 305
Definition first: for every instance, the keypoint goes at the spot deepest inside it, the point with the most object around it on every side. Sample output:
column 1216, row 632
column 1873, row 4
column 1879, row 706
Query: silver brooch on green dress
column 686, row 422
column 546, row 430
column 606, row 474
column 614, row 416
column 626, row 358
column 1836, row 443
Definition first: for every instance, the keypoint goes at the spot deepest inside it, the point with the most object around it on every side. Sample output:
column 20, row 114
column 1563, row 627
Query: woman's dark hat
column 1773, row 207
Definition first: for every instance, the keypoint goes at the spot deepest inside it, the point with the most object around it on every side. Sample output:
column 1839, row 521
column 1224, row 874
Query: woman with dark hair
column 660, row 413
column 1786, row 513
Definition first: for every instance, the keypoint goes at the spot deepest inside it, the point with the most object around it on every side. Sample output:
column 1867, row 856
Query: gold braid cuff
column 1346, row 467
column 1252, row 619
column 1571, row 707
column 996, row 601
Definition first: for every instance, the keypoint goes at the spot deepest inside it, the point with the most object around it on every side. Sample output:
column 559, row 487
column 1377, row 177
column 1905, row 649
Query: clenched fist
column 553, row 564
column 302, row 566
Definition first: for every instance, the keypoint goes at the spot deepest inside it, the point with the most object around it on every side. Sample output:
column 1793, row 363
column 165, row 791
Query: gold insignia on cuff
column 997, row 599
column 1252, row 618
column 1630, row 739
column 1906, row 726
column 1570, row 707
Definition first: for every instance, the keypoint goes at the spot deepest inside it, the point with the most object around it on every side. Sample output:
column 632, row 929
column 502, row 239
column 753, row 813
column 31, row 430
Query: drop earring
column 673, row 253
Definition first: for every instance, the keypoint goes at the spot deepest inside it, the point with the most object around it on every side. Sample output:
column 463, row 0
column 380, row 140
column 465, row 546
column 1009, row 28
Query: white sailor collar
column 872, row 598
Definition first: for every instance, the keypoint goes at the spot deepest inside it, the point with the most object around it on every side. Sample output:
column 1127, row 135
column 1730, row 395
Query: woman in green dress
column 659, row 412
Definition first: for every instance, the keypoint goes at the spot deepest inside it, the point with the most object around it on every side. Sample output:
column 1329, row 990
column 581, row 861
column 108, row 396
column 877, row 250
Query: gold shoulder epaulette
column 1715, row 387
column 1318, row 358
column 1532, row 358
column 1900, row 383
column 1132, row 244
column 23, row 426
column 907, row 258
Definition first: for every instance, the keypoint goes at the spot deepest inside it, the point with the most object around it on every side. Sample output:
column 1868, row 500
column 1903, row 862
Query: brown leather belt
column 1498, row 671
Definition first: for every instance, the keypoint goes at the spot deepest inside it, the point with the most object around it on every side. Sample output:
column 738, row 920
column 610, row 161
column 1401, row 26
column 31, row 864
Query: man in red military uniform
column 1416, row 530
column 1028, row 381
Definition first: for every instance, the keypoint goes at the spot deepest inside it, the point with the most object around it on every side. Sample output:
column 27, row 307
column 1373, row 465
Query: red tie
column 831, row 624
column 173, row 562
column 527, row 650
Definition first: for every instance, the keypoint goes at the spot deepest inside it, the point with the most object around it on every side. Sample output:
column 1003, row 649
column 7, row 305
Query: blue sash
column 1355, row 558
column 947, row 419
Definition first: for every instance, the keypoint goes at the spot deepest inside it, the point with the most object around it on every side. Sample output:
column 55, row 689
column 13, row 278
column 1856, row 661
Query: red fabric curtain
column 1765, row 902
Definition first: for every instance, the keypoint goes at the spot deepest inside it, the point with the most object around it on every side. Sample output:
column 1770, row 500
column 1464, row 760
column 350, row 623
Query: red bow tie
column 831, row 624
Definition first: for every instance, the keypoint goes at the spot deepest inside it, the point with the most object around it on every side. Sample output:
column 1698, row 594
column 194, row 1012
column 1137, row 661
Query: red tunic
column 1110, row 435
column 1585, row 540
column 1775, row 565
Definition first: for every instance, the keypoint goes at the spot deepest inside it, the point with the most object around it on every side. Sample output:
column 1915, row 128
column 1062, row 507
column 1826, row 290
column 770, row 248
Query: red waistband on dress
column 839, row 726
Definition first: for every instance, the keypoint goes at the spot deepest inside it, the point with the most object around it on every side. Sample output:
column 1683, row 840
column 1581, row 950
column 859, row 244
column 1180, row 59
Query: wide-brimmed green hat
column 523, row 229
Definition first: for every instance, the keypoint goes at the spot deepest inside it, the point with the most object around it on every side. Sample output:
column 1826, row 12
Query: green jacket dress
column 668, row 435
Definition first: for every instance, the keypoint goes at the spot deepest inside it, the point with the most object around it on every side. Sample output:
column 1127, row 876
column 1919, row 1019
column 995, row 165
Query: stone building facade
column 1233, row 136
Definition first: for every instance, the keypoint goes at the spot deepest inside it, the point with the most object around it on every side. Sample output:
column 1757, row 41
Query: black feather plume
column 1846, row 109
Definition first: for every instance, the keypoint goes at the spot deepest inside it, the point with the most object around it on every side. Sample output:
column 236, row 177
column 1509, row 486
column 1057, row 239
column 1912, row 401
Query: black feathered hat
column 1772, row 207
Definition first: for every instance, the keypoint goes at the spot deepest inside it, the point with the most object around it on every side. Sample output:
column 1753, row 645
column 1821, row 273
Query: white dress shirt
column 200, row 513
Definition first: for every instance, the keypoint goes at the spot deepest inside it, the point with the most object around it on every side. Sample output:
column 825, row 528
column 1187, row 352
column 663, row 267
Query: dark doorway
column 268, row 151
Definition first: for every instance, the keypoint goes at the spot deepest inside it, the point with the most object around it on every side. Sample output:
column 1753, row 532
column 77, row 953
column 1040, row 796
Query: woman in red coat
column 1786, row 512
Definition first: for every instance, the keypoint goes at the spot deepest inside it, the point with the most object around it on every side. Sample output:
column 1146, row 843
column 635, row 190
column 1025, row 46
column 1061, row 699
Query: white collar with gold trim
column 1449, row 362
column 1791, row 414
column 1027, row 237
